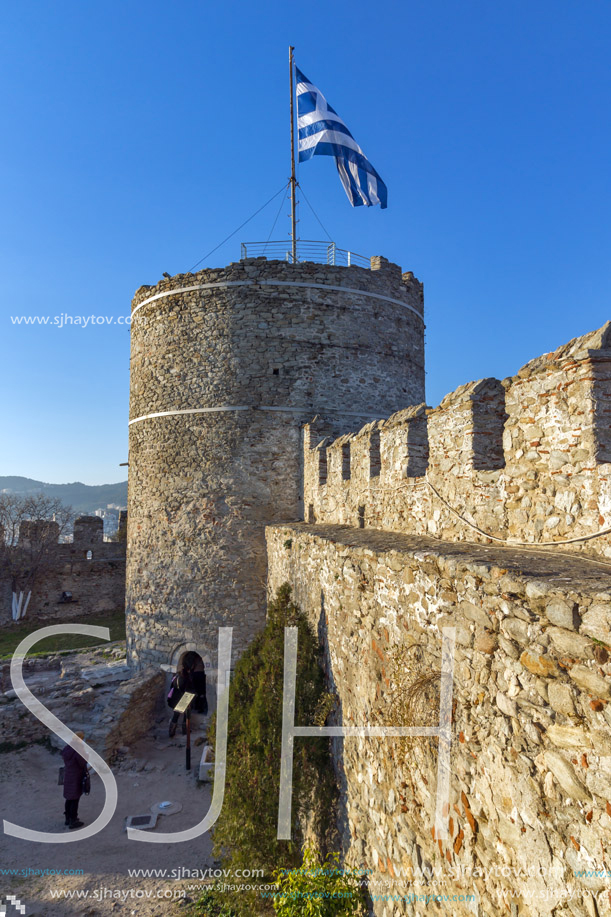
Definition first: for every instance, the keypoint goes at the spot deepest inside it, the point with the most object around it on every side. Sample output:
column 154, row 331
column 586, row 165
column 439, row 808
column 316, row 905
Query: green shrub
column 318, row 889
column 245, row 833
column 213, row 904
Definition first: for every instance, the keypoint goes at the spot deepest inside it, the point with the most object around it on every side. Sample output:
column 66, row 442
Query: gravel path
column 153, row 771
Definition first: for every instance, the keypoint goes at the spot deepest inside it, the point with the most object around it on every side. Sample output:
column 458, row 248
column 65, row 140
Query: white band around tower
column 257, row 407
column 276, row 283
column 223, row 407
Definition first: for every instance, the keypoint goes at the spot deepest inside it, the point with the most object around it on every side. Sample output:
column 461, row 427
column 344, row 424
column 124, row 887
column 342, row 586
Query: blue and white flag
column 322, row 132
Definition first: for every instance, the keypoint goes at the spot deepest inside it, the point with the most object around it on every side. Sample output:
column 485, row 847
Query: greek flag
column 322, row 132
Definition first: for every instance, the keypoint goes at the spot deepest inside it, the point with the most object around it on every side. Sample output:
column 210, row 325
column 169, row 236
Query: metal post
column 188, row 719
column 293, row 178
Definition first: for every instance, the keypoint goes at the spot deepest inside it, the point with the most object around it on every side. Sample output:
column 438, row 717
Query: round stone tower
column 226, row 367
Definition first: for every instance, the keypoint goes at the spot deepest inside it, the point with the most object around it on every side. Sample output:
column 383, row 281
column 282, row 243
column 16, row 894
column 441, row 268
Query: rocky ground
column 92, row 877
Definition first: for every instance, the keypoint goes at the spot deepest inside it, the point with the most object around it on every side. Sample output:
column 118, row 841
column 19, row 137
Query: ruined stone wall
column 226, row 367
column 530, row 787
column 523, row 460
column 97, row 583
column 133, row 705
column 113, row 709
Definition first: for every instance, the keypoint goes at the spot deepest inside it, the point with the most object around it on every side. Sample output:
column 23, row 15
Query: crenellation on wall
column 91, row 569
column 88, row 531
column 416, row 439
column 317, row 430
column 602, row 406
column 388, row 268
column 554, row 443
column 414, row 286
column 33, row 531
column 466, row 430
column 322, row 461
column 383, row 278
column 402, row 505
column 522, row 460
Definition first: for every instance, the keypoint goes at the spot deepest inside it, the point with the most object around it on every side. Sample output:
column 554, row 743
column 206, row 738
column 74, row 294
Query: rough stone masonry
column 226, row 367
column 488, row 513
column 525, row 460
column 92, row 569
column 479, row 515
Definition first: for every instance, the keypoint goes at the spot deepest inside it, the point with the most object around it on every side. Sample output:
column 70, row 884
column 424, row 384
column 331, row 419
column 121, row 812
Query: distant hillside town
column 103, row 500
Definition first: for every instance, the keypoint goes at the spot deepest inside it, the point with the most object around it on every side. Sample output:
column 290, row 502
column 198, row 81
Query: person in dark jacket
column 192, row 678
column 75, row 768
column 181, row 683
column 198, row 680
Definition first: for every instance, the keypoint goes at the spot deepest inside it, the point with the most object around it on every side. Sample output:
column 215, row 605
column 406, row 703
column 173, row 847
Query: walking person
column 200, row 703
column 75, row 768
column 192, row 678
column 180, row 683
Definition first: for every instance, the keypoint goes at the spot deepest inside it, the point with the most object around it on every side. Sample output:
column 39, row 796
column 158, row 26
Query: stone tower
column 227, row 366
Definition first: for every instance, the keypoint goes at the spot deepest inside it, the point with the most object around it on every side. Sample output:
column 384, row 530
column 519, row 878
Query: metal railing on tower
column 306, row 250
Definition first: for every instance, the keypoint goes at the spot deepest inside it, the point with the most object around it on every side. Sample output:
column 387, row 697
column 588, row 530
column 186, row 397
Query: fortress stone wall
column 487, row 514
column 524, row 460
column 530, row 778
column 226, row 367
column 92, row 569
column 387, row 559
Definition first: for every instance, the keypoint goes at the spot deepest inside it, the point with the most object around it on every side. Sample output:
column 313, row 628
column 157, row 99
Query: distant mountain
column 83, row 498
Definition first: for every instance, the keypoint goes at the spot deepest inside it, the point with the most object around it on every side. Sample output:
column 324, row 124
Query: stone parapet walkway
column 529, row 812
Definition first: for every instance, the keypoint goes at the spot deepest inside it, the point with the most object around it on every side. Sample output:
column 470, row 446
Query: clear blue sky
column 137, row 135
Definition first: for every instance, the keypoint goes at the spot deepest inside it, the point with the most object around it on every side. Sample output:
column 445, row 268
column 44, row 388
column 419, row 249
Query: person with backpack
column 192, row 678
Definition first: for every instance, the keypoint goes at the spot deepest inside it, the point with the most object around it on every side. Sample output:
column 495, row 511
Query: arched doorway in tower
column 199, row 659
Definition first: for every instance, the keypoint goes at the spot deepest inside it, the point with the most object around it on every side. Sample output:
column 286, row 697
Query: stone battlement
column 88, row 530
column 384, row 277
column 91, row 569
column 524, row 460
column 228, row 368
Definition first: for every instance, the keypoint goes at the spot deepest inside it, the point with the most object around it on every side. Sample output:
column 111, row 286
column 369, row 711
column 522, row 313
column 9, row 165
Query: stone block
column 206, row 764
column 478, row 615
column 102, row 674
column 516, row 629
column 569, row 643
column 485, row 642
column 506, row 705
column 539, row 665
column 561, row 698
column 565, row 774
column 569, row 737
column 596, row 622
column 590, row 681
column 599, row 783
column 563, row 614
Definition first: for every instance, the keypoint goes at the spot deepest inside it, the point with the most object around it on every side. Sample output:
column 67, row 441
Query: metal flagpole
column 293, row 178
